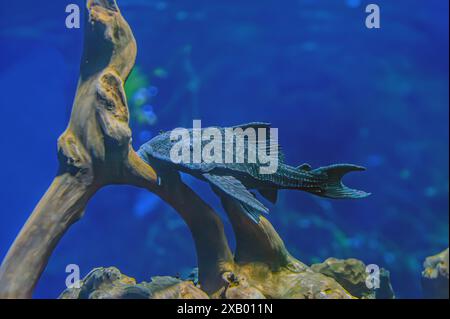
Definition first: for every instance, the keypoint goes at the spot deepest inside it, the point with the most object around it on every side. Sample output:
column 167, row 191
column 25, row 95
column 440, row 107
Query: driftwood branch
column 213, row 253
column 60, row 207
column 264, row 268
column 255, row 242
column 95, row 150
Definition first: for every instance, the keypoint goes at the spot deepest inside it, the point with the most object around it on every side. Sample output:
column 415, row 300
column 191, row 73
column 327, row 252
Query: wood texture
column 95, row 150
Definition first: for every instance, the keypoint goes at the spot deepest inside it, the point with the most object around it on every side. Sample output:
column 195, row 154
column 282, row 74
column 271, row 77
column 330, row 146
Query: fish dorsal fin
column 270, row 194
column 304, row 167
column 254, row 125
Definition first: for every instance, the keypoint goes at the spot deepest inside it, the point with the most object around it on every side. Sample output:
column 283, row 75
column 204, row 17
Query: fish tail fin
column 332, row 186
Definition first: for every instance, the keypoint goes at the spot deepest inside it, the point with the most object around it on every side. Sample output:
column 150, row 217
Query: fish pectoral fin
column 252, row 213
column 234, row 188
column 207, row 167
column 270, row 194
column 304, row 167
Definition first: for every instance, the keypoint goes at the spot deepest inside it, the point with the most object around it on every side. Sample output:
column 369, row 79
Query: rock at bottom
column 435, row 276
column 110, row 283
column 352, row 275
column 332, row 279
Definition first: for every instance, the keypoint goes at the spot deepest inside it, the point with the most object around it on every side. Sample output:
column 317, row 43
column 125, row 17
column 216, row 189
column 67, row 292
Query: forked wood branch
column 95, row 150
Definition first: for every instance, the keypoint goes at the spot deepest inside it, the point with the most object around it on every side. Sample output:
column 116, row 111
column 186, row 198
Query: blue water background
column 337, row 91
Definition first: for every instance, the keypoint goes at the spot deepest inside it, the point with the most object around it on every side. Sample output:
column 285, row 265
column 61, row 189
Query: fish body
column 236, row 179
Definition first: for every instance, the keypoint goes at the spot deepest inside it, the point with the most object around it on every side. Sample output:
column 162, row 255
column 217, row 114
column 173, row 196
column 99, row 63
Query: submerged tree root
column 95, row 150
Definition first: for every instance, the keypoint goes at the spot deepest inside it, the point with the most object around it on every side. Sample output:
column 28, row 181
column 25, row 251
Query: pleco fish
column 236, row 179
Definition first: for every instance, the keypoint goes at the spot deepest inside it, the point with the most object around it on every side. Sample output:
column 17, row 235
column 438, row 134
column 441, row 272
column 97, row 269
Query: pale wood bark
column 95, row 150
column 61, row 206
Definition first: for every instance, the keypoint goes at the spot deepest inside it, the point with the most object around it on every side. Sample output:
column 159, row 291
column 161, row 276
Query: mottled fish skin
column 160, row 146
column 286, row 177
column 237, row 178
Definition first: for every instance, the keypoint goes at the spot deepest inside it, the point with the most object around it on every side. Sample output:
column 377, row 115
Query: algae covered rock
column 258, row 281
column 332, row 279
column 110, row 283
column 351, row 274
column 435, row 276
column 251, row 281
